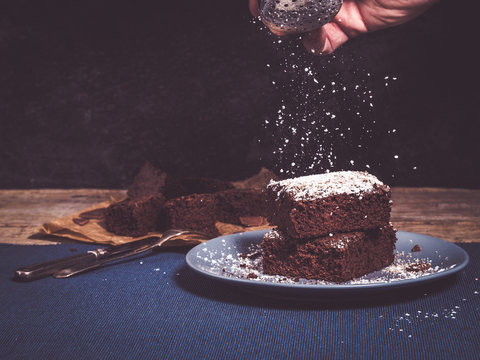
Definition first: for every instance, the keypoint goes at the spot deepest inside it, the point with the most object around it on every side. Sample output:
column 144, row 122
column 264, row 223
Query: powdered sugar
column 319, row 186
column 248, row 265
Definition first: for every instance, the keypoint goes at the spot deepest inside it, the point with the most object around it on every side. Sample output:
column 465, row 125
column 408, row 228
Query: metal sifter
column 297, row 16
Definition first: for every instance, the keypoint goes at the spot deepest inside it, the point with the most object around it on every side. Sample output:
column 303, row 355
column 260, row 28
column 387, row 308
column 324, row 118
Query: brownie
column 193, row 212
column 232, row 205
column 201, row 211
column 135, row 217
column 338, row 258
column 149, row 181
column 176, row 187
column 193, row 203
column 316, row 205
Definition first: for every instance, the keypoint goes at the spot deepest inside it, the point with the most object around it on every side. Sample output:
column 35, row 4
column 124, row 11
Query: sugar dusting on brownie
column 319, row 186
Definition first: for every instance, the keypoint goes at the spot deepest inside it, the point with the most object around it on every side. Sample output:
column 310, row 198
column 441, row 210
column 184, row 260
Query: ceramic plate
column 224, row 259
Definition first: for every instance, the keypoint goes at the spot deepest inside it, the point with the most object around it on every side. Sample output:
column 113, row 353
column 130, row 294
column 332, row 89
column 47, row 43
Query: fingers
column 253, row 5
column 347, row 24
column 325, row 40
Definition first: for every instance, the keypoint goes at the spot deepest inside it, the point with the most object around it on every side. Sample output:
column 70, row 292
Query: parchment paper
column 82, row 227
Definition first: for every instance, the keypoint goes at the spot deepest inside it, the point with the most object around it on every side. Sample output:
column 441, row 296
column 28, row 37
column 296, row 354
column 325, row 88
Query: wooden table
column 450, row 214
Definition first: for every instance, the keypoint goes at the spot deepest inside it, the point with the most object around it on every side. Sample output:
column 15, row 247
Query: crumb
column 252, row 276
column 416, row 248
column 243, row 265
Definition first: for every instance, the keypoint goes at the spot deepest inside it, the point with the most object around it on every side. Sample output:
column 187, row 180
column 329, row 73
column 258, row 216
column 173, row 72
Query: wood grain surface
column 22, row 212
column 450, row 214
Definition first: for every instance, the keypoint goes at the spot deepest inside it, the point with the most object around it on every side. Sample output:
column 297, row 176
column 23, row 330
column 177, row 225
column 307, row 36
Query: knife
column 114, row 256
column 71, row 265
column 91, row 265
column 47, row 268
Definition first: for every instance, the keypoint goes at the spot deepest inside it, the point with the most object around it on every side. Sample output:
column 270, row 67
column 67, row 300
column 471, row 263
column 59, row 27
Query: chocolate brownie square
column 231, row 205
column 135, row 217
column 338, row 258
column 192, row 212
column 317, row 205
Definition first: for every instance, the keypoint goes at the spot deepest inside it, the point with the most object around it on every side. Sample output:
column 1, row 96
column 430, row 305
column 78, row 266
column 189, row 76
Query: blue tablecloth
column 156, row 308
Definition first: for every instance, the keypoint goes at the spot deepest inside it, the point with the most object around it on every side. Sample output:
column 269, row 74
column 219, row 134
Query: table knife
column 47, row 268
column 71, row 265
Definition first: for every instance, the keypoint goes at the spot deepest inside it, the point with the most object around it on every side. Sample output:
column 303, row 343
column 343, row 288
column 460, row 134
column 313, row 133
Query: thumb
column 254, row 9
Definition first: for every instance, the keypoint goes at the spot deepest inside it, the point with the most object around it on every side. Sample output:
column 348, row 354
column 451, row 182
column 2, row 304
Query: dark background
column 89, row 90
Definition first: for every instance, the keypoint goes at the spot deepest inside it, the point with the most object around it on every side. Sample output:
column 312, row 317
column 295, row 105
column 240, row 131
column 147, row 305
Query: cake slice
column 135, row 217
column 232, row 205
column 201, row 211
column 318, row 205
column 337, row 258
column 192, row 212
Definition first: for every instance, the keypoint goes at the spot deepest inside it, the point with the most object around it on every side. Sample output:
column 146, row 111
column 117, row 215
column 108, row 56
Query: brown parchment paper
column 93, row 230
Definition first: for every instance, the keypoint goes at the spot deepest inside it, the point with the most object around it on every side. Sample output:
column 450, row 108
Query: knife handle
column 47, row 268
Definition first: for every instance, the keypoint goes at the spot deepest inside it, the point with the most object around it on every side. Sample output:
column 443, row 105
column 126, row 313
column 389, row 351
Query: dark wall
column 91, row 89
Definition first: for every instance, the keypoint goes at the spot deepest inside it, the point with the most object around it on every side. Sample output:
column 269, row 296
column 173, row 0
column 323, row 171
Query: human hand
column 357, row 17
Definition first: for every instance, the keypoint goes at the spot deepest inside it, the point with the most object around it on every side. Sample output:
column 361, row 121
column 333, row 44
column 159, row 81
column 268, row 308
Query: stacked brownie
column 332, row 226
column 157, row 201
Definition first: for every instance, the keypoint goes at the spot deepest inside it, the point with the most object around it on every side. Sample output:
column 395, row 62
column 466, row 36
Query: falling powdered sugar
column 325, row 115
